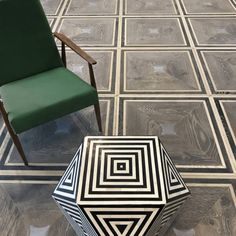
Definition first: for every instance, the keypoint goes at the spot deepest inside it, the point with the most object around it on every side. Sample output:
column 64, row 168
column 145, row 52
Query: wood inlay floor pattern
column 136, row 77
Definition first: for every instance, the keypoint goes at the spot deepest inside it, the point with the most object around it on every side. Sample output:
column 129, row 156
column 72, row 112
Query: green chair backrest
column 27, row 46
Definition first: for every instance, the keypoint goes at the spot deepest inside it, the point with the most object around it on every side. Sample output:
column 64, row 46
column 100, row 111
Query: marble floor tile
column 210, row 211
column 90, row 32
column 208, row 7
column 220, row 67
column 92, row 7
column 149, row 7
column 51, row 6
column 29, row 210
column 103, row 70
column 182, row 126
column 153, row 32
column 56, row 142
column 214, row 31
column 159, row 71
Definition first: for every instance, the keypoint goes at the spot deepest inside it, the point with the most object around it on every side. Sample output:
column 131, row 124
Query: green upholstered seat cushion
column 46, row 96
column 27, row 46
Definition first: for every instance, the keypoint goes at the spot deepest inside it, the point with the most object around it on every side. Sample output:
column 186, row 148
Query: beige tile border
column 192, row 45
column 223, row 134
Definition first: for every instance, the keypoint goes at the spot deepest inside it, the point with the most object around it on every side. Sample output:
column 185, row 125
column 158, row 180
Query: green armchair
column 35, row 86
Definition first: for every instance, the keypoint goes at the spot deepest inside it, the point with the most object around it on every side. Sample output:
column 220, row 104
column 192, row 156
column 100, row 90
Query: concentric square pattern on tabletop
column 113, row 181
column 165, row 68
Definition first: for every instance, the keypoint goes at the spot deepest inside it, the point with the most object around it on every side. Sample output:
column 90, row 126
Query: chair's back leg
column 14, row 137
column 63, row 53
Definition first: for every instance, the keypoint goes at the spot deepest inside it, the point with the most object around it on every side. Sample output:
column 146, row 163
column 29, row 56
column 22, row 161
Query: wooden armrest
column 75, row 48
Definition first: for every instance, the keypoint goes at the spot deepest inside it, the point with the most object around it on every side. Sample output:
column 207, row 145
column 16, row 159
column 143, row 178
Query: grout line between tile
column 224, row 136
column 59, row 16
column 118, row 68
column 189, row 36
column 208, row 175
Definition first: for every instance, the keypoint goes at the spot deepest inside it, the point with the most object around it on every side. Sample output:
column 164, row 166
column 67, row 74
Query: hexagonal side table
column 121, row 186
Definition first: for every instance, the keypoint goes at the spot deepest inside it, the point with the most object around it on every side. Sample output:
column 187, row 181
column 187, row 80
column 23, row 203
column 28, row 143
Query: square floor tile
column 55, row 143
column 228, row 115
column 92, row 7
column 159, row 71
column 90, row 31
column 214, row 31
column 149, row 7
column 51, row 7
column 209, row 211
column 183, row 126
column 208, row 7
column 28, row 209
column 103, row 70
column 220, row 67
column 153, row 32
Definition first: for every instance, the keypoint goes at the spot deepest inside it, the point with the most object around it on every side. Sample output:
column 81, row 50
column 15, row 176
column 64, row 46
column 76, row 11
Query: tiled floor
column 165, row 68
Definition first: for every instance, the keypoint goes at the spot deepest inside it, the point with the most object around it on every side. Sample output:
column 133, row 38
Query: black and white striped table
column 121, row 186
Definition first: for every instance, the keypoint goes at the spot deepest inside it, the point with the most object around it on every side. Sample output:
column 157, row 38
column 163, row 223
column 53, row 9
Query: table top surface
column 121, row 170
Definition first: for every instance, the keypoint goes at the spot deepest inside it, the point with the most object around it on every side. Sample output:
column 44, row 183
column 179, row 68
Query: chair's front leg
column 14, row 137
column 98, row 116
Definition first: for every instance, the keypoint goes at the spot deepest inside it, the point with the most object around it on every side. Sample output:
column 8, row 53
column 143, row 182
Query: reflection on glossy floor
column 165, row 68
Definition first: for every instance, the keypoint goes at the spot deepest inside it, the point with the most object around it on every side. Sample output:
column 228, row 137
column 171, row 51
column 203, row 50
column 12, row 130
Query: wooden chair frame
column 65, row 41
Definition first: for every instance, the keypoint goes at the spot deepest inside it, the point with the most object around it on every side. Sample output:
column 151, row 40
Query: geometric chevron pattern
column 67, row 187
column 65, row 195
column 175, row 185
column 122, row 220
column 121, row 185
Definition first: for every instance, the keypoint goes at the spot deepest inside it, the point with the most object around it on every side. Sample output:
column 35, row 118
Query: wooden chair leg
column 96, row 106
column 63, row 54
column 19, row 148
column 14, row 137
column 98, row 116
